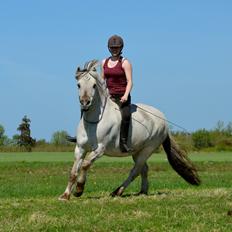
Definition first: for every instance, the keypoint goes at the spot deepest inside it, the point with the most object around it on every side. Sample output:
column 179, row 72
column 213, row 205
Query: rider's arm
column 128, row 71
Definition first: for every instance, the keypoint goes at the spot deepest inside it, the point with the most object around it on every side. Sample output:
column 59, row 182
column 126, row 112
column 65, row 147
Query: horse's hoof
column 77, row 194
column 229, row 213
column 117, row 192
column 79, row 189
column 64, row 197
column 113, row 194
column 142, row 193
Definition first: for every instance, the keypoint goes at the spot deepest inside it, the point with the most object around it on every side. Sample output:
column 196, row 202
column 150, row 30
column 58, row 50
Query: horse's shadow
column 128, row 195
column 159, row 193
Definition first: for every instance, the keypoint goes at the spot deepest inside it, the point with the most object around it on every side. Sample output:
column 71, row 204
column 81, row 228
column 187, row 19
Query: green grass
column 69, row 156
column 30, row 184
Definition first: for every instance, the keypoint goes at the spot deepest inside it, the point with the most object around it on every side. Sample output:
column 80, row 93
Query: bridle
column 99, row 86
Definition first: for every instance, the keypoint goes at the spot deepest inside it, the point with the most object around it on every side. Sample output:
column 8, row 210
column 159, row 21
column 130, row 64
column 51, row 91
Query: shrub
column 224, row 144
column 201, row 139
column 59, row 138
column 184, row 140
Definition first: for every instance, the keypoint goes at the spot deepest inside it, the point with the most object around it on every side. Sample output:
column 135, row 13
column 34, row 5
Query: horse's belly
column 116, row 153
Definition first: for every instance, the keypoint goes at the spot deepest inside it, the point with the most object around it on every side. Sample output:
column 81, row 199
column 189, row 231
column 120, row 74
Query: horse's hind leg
column 144, row 180
column 140, row 167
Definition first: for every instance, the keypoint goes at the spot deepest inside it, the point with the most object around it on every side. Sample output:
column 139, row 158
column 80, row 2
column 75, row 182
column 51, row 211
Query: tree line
column 24, row 141
column 217, row 139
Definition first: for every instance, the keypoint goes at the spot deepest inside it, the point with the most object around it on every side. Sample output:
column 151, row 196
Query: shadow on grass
column 128, row 195
column 159, row 193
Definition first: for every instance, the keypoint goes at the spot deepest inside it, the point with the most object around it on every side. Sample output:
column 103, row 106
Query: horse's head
column 87, row 81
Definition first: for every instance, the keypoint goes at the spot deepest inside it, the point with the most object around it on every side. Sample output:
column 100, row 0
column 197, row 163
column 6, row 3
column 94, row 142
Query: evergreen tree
column 25, row 139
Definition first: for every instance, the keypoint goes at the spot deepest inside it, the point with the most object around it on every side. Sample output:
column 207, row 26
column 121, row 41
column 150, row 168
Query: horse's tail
column 180, row 162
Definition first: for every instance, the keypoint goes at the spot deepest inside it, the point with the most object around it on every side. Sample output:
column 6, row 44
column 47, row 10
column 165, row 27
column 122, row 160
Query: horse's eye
column 94, row 86
column 78, row 85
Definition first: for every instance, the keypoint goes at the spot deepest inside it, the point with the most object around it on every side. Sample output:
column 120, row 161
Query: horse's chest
column 91, row 136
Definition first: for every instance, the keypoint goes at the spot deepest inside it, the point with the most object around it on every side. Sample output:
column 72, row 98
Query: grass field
column 30, row 184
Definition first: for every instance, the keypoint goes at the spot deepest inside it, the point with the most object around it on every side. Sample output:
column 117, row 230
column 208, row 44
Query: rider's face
column 115, row 51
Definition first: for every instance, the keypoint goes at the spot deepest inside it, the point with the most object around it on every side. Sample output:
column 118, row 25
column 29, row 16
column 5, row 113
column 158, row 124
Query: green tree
column 228, row 128
column 25, row 139
column 3, row 137
column 15, row 139
column 59, row 138
column 220, row 126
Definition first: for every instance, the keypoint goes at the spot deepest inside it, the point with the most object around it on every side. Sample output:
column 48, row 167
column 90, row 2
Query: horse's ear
column 78, row 73
column 91, row 65
column 94, row 64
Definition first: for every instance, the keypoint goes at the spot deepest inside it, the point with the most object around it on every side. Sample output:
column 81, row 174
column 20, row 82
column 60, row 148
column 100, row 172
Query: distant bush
column 41, row 142
column 184, row 140
column 201, row 139
column 39, row 148
column 54, row 148
column 225, row 144
column 60, row 138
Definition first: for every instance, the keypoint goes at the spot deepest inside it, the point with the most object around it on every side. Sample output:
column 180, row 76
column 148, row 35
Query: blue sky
column 181, row 52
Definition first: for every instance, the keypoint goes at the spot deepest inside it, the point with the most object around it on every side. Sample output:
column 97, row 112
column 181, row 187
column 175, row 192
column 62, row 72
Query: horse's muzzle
column 85, row 103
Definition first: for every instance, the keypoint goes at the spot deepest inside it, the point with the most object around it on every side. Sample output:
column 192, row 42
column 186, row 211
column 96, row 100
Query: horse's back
column 148, row 114
column 148, row 125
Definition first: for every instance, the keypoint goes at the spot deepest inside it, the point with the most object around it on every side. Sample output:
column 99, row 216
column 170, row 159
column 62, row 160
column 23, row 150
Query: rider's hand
column 123, row 98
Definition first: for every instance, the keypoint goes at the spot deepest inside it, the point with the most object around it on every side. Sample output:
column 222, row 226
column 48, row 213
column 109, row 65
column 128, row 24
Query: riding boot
column 124, row 136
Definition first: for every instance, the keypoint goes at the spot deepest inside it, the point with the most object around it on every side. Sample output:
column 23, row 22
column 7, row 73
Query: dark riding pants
column 126, row 115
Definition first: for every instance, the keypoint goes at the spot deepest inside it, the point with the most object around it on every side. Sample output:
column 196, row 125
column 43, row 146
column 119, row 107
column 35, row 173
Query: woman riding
column 117, row 71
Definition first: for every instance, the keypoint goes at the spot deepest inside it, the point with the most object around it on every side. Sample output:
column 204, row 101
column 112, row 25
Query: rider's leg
column 125, row 124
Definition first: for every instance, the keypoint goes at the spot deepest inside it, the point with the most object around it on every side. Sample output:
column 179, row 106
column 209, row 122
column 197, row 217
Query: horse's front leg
column 88, row 161
column 81, row 179
column 79, row 153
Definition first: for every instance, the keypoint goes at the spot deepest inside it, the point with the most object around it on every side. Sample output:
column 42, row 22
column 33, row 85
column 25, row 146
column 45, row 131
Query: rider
column 117, row 71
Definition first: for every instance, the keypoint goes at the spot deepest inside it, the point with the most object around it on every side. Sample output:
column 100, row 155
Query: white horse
column 98, row 134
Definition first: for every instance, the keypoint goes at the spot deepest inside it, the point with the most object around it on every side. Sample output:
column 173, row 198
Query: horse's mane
column 90, row 70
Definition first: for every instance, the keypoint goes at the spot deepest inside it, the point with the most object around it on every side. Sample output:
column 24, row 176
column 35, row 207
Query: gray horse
column 98, row 134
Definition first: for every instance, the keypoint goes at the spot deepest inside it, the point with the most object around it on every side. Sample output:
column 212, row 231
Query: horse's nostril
column 85, row 102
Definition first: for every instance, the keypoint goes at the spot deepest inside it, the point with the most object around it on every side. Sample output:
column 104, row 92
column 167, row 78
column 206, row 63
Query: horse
column 98, row 134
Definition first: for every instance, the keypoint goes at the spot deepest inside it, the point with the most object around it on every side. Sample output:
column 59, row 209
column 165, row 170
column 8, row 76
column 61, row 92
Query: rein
column 164, row 119
column 174, row 124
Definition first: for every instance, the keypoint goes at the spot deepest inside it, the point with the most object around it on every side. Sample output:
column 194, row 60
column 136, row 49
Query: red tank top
column 115, row 78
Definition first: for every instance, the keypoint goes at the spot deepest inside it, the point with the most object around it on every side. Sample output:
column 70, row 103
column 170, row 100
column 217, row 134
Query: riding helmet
column 115, row 41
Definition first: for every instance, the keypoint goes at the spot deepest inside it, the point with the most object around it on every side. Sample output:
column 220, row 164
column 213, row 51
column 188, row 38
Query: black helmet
column 115, row 41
